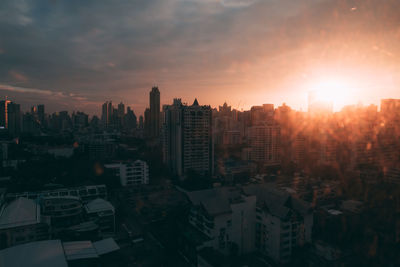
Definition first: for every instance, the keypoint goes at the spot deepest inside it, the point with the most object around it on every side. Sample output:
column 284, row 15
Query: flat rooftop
column 19, row 212
column 47, row 253
column 79, row 250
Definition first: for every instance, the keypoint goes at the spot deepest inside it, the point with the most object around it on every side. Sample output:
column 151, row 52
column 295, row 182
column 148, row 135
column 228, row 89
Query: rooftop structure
column 98, row 205
column 20, row 212
column 79, row 250
column 47, row 253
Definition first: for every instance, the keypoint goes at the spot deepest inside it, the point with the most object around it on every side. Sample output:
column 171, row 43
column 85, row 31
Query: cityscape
column 130, row 139
column 202, row 186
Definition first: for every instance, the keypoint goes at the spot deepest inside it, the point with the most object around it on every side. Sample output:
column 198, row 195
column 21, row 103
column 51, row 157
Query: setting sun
column 335, row 90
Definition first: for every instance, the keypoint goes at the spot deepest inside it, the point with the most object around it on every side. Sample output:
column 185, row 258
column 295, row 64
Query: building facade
column 131, row 173
column 187, row 142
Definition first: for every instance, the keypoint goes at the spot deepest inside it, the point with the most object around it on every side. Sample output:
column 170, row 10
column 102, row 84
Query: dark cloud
column 100, row 50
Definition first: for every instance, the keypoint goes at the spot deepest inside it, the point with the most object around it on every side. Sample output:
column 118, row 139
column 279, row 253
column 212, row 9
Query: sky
column 75, row 55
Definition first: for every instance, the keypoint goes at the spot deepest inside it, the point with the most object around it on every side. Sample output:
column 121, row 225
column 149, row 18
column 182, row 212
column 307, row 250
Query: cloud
column 18, row 76
column 47, row 93
column 238, row 3
column 118, row 51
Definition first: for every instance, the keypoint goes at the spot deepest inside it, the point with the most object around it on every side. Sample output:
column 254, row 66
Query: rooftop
column 105, row 246
column 47, row 253
column 19, row 212
column 277, row 202
column 216, row 200
column 79, row 250
column 98, row 205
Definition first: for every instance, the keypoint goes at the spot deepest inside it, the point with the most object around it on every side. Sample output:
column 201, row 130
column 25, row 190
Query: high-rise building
column 141, row 123
column 264, row 141
column 187, row 138
column 154, row 125
column 130, row 121
column 147, row 121
column 14, row 118
column 4, row 113
column 121, row 110
column 106, row 114
column 261, row 114
column 10, row 116
column 41, row 114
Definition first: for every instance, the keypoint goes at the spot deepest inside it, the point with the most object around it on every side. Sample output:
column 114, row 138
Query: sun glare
column 335, row 90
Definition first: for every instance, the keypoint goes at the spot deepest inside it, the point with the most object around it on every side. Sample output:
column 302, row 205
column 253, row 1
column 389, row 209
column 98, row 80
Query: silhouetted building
column 107, row 114
column 154, row 125
column 264, row 144
column 10, row 117
column 147, row 121
column 41, row 114
column 141, row 122
column 188, row 139
column 14, row 119
column 4, row 113
column 80, row 120
column 130, row 121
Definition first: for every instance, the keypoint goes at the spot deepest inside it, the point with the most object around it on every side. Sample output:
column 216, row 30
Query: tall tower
column 41, row 113
column 188, row 139
column 106, row 114
column 121, row 110
column 154, row 126
column 10, row 116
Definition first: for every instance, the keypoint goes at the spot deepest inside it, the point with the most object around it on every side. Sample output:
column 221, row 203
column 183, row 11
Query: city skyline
column 265, row 52
column 199, row 133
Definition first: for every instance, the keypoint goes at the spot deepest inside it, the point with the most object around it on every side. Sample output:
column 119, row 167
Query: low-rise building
column 282, row 222
column 54, row 253
column 131, row 173
column 21, row 222
column 103, row 214
column 85, row 193
column 63, row 211
column 226, row 216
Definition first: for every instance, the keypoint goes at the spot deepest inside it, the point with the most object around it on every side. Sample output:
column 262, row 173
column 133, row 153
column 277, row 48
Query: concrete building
column 187, row 142
column 154, row 125
column 282, row 222
column 10, row 117
column 85, row 193
column 54, row 253
column 264, row 144
column 106, row 114
column 226, row 217
column 63, row 211
column 256, row 217
column 21, row 222
column 131, row 173
column 103, row 214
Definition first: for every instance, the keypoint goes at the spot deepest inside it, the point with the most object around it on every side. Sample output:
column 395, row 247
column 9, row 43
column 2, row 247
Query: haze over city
column 75, row 55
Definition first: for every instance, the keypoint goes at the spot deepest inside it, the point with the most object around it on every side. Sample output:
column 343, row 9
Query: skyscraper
column 106, row 114
column 264, row 142
column 41, row 114
column 187, row 140
column 121, row 110
column 10, row 116
column 4, row 113
column 147, row 122
column 13, row 118
column 154, row 124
